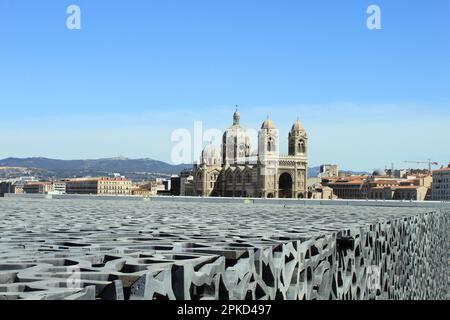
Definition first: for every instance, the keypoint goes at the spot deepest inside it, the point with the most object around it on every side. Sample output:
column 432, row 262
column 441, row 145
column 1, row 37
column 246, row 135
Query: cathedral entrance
column 285, row 186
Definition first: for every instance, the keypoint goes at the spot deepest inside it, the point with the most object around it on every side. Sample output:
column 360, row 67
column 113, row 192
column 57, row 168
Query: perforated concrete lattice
column 120, row 250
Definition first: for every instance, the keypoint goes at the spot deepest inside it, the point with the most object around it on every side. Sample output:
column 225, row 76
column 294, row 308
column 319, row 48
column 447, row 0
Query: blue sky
column 137, row 70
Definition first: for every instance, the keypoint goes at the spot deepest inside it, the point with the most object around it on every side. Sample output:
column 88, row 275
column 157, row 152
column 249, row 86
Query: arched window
column 270, row 145
column 238, row 178
column 248, row 178
column 301, row 146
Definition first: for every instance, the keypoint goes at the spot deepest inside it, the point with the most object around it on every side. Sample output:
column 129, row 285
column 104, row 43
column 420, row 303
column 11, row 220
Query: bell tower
column 298, row 140
column 268, row 139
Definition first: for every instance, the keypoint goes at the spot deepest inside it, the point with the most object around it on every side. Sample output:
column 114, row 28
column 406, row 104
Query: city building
column 18, row 187
column 158, row 185
column 15, row 185
column 179, row 184
column 329, row 171
column 58, row 187
column 31, row 185
column 186, row 183
column 151, row 188
column 143, row 190
column 418, row 193
column 164, row 188
column 351, row 187
column 37, row 187
column 236, row 171
column 398, row 173
column 321, row 193
column 167, row 183
column 175, row 185
column 441, row 184
column 100, row 186
column 381, row 186
column 6, row 187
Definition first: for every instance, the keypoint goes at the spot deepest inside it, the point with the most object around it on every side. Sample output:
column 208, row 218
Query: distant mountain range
column 132, row 168
column 96, row 167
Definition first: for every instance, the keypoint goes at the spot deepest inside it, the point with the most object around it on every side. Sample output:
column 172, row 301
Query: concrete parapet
column 80, row 249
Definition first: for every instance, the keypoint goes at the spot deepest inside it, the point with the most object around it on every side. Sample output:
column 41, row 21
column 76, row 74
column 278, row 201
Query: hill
column 132, row 168
column 95, row 167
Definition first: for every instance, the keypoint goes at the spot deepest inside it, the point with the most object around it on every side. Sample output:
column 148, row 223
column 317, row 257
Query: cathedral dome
column 211, row 155
column 268, row 124
column 298, row 126
column 379, row 173
column 235, row 142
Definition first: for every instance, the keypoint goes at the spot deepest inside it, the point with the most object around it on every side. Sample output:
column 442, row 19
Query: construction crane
column 429, row 162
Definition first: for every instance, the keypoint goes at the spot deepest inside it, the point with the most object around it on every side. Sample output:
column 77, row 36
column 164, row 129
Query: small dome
column 379, row 173
column 268, row 124
column 298, row 126
column 211, row 155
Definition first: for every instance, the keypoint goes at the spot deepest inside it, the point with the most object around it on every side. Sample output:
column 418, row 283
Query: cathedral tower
column 298, row 140
column 268, row 153
column 268, row 140
column 235, row 143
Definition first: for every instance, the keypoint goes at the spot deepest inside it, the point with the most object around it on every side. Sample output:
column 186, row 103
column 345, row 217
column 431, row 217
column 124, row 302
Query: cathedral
column 235, row 171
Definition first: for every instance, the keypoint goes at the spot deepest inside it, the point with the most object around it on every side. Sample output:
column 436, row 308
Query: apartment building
column 441, row 184
column 100, row 186
column 37, row 187
column 380, row 186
